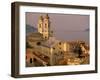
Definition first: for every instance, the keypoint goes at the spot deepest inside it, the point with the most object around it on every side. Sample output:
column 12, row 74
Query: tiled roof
column 50, row 43
column 35, row 34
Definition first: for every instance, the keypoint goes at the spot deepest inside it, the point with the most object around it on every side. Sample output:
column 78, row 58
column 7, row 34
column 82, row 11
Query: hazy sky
column 65, row 26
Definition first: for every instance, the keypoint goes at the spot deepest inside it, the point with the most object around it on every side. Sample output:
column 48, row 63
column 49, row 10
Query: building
column 52, row 49
column 55, row 50
column 44, row 26
column 34, row 39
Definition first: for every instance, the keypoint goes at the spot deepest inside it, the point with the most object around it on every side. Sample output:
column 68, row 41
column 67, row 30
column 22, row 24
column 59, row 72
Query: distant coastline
column 82, row 35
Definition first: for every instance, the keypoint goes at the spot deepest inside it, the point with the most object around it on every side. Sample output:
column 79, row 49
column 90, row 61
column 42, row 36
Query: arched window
column 45, row 25
column 59, row 43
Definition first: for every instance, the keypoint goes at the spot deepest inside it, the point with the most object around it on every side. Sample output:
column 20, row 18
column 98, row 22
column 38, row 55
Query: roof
column 35, row 36
column 50, row 43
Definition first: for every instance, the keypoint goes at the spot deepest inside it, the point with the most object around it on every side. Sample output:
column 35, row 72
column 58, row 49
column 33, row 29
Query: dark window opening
column 34, row 59
column 54, row 48
column 31, row 60
column 45, row 25
column 45, row 37
column 45, row 57
column 38, row 43
column 61, row 52
column 59, row 43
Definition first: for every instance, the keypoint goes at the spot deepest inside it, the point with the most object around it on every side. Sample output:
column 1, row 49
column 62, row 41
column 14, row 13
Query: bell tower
column 46, row 27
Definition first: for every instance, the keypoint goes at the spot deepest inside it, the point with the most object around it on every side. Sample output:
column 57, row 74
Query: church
column 45, row 43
